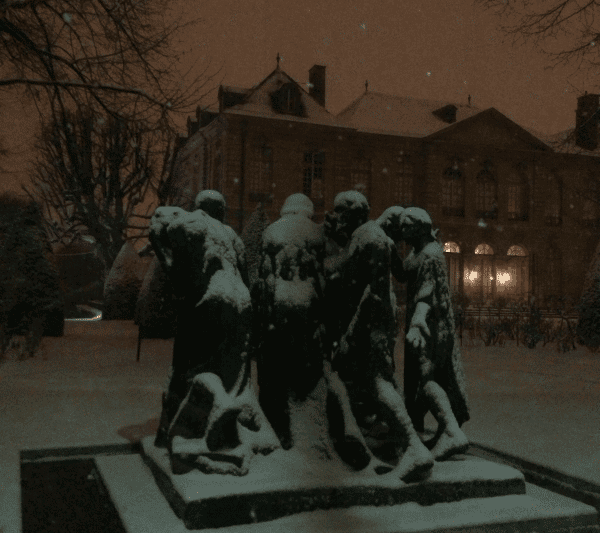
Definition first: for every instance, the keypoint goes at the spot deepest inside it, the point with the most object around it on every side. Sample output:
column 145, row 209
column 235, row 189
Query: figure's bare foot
column 416, row 462
column 450, row 443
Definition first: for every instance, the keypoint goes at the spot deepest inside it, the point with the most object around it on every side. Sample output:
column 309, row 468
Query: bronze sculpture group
column 321, row 329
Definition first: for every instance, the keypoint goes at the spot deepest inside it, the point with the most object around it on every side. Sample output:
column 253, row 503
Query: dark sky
column 428, row 49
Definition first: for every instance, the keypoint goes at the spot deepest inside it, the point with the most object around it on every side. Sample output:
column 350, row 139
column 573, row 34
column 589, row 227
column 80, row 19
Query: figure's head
column 390, row 222
column 297, row 204
column 350, row 210
column 212, row 203
column 416, row 225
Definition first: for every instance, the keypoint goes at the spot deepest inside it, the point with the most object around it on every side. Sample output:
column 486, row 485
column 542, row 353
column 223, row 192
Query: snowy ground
column 87, row 389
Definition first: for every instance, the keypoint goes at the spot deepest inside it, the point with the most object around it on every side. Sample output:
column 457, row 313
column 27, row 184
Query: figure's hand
column 415, row 337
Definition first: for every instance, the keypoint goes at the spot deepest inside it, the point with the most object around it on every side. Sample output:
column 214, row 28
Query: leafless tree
column 120, row 56
column 93, row 174
column 568, row 31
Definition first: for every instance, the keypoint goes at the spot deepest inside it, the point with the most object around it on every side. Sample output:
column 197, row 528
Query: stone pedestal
column 286, row 483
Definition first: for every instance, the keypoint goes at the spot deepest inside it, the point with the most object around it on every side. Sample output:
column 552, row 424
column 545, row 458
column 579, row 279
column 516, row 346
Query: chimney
column 192, row 126
column 316, row 78
column 586, row 121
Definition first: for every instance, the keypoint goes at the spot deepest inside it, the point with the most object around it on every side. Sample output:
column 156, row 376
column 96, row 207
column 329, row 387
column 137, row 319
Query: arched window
column 452, row 251
column 478, row 274
column 484, row 249
column 453, row 191
column 516, row 250
column 512, row 273
column 486, row 197
column 451, row 248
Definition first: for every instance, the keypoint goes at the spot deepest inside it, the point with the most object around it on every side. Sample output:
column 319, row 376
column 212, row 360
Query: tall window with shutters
column 486, row 197
column 314, row 161
column 405, row 175
column 453, row 191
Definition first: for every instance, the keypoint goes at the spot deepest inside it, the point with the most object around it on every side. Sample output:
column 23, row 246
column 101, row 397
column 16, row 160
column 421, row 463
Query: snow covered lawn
column 539, row 404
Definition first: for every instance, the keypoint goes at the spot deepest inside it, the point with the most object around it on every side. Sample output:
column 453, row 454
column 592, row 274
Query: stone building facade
column 517, row 210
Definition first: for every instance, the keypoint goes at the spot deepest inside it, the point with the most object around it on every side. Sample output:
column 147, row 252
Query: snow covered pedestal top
column 283, row 483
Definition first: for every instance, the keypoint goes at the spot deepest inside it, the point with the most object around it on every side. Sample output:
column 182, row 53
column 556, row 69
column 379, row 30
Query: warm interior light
column 503, row 278
column 471, row 275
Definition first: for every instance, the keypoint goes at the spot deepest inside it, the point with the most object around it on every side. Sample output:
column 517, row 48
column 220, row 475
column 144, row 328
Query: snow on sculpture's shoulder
column 294, row 229
column 227, row 287
column 370, row 235
column 163, row 216
column 433, row 250
column 218, row 242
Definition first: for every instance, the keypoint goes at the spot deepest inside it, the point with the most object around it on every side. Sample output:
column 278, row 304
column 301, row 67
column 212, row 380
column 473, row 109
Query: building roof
column 563, row 142
column 257, row 102
column 400, row 115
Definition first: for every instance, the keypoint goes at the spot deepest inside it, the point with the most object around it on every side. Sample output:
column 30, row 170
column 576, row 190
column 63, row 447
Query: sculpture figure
column 361, row 309
column 209, row 395
column 433, row 375
column 289, row 344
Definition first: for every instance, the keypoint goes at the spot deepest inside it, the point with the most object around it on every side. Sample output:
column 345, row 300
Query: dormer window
column 287, row 100
column 447, row 113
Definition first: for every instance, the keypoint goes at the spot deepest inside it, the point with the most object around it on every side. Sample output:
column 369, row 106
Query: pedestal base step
column 143, row 509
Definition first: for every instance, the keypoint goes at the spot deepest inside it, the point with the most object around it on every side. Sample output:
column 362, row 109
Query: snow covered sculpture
column 433, row 374
column 214, row 205
column 361, row 316
column 289, row 344
column 297, row 385
column 211, row 419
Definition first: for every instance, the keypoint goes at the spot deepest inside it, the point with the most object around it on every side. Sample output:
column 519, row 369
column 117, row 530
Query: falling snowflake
column 593, row 43
column 67, row 17
column 363, row 26
column 385, row 171
column 428, row 73
column 235, row 180
column 482, row 223
column 310, row 85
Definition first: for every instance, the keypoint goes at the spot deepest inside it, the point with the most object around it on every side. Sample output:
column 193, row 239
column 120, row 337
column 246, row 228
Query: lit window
column 451, row 248
column 516, row 250
column 484, row 249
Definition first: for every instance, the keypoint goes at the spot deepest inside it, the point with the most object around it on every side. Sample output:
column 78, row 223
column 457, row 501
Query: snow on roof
column 235, row 89
column 399, row 115
column 564, row 142
column 258, row 102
